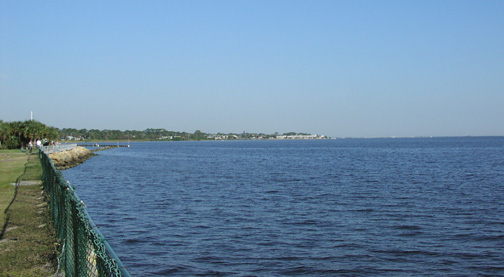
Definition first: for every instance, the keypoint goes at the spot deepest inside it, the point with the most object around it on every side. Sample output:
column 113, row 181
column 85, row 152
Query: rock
column 70, row 158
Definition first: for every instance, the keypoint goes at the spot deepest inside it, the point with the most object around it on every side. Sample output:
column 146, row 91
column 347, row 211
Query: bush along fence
column 84, row 251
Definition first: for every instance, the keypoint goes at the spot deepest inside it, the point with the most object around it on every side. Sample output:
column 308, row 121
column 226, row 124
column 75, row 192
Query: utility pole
column 31, row 117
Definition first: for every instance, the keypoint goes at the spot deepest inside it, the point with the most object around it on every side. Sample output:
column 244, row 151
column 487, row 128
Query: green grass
column 28, row 246
column 33, row 169
column 11, row 167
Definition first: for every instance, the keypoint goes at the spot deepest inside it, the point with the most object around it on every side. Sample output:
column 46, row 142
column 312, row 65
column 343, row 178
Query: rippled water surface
column 262, row 208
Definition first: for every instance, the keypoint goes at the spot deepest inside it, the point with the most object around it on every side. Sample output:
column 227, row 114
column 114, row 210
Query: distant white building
column 73, row 138
column 301, row 137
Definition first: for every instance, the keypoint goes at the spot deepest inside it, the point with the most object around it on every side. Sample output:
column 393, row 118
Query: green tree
column 17, row 134
column 95, row 134
column 52, row 133
column 4, row 133
column 198, row 135
column 33, row 130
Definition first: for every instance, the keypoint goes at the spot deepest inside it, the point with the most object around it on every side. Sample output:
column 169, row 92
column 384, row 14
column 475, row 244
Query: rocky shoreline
column 70, row 158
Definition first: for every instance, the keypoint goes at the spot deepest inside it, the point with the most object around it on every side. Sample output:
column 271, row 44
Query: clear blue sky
column 337, row 68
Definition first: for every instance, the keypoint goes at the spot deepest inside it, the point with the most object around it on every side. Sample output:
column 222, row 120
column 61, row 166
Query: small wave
column 293, row 258
column 267, row 243
column 489, row 238
column 468, row 256
column 202, row 227
column 311, row 271
column 155, row 253
column 298, row 270
column 363, row 210
column 410, row 234
column 399, row 252
column 349, row 246
column 490, row 269
column 205, row 259
column 408, row 227
column 134, row 241
column 172, row 270
column 304, row 222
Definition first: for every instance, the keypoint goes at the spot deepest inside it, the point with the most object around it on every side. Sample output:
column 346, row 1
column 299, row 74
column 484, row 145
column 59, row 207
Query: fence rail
column 85, row 252
column 49, row 149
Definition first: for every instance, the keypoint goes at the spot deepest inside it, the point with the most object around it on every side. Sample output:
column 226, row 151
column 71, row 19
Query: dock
column 102, row 145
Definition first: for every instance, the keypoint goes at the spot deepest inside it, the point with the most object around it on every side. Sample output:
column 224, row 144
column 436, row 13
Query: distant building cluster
column 72, row 138
column 150, row 134
column 301, row 137
column 222, row 137
column 247, row 136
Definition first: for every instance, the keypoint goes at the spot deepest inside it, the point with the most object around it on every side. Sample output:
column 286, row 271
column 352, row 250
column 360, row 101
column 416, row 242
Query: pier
column 102, row 145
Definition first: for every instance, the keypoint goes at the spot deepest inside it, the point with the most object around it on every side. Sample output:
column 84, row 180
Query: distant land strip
column 71, row 134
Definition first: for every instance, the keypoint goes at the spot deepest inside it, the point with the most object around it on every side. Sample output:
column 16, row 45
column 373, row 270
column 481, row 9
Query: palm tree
column 16, row 128
column 4, row 132
column 32, row 130
column 16, row 134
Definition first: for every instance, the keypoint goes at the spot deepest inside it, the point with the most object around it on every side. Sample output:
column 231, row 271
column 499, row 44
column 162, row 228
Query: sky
column 336, row 68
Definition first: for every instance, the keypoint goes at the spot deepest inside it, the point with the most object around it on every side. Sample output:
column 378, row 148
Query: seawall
column 70, row 158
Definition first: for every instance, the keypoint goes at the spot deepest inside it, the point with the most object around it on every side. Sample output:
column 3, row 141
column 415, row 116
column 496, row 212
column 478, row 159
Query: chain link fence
column 84, row 251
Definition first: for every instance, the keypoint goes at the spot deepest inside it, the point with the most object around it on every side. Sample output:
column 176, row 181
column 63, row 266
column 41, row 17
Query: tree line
column 148, row 134
column 18, row 134
column 152, row 134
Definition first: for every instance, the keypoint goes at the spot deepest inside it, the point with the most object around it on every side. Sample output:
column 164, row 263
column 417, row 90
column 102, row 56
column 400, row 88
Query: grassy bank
column 11, row 167
column 28, row 243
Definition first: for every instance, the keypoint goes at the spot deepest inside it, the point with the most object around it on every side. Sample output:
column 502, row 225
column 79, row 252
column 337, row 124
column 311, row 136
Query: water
column 430, row 206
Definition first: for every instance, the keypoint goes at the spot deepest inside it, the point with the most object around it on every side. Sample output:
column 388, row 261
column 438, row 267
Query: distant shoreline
column 271, row 139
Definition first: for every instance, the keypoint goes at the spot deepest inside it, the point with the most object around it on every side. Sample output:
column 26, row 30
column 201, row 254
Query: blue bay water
column 422, row 206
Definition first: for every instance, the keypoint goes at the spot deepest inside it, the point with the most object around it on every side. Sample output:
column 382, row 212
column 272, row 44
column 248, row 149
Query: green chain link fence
column 84, row 252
